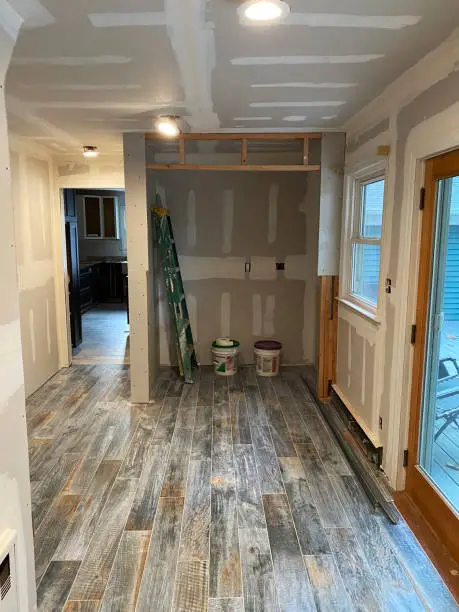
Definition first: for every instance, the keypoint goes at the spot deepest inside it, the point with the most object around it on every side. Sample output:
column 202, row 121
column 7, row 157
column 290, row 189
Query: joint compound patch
column 228, row 220
column 201, row 268
column 191, row 231
column 268, row 318
column 257, row 315
column 272, row 213
column 263, row 268
column 225, row 315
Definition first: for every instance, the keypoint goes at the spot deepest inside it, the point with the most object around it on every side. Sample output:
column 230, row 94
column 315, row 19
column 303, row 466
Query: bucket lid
column 268, row 345
column 229, row 343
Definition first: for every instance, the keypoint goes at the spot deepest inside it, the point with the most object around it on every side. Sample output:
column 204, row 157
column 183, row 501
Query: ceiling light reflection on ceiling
column 167, row 126
column 90, row 151
column 263, row 12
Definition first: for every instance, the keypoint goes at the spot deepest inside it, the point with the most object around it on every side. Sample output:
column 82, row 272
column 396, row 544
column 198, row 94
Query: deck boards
column 229, row 495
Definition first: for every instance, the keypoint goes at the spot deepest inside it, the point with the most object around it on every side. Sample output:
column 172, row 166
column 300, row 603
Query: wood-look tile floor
column 226, row 495
column 105, row 336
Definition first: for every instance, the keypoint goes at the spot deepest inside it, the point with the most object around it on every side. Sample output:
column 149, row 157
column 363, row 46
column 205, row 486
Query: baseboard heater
column 356, row 452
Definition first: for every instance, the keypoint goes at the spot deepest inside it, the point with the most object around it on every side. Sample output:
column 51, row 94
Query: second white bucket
column 225, row 356
column 267, row 357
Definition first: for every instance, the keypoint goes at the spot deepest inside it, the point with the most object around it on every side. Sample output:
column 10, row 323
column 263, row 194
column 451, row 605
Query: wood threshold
column 234, row 167
column 368, row 432
column 430, row 542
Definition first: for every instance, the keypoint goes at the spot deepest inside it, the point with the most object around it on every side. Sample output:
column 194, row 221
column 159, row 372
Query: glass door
column 439, row 431
column 432, row 480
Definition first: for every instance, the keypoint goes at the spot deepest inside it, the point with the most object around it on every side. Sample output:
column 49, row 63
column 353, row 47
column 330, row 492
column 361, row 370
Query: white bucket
column 267, row 359
column 225, row 356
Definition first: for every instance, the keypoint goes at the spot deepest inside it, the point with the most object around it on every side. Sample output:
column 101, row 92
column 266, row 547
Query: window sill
column 360, row 310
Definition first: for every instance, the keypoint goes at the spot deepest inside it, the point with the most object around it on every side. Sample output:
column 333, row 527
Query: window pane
column 372, row 202
column 92, row 212
column 365, row 271
column 109, row 218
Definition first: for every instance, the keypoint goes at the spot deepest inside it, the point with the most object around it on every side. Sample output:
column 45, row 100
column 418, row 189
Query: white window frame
column 354, row 181
column 102, row 220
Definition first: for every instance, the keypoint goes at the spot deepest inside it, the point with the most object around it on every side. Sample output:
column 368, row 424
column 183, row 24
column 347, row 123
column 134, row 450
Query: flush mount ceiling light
column 90, row 151
column 168, row 126
column 263, row 12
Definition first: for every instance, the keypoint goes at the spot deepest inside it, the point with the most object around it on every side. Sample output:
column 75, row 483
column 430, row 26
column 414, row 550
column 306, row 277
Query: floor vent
column 8, row 588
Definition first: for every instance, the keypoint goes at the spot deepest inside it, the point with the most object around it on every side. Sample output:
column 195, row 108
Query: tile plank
column 191, row 586
column 249, row 504
column 327, row 584
column 326, row 499
column 75, row 540
column 158, row 578
column 357, row 576
column 395, row 586
column 124, row 582
column 174, row 483
column 267, row 462
column 202, row 435
column 49, row 533
column 257, row 571
column 82, row 606
column 194, row 542
column 149, row 488
column 95, row 569
column 55, row 585
column 47, row 490
column 311, row 534
column 238, row 411
column 233, row 604
column 225, row 562
column 293, row 588
column 167, row 419
column 135, row 456
column 206, row 387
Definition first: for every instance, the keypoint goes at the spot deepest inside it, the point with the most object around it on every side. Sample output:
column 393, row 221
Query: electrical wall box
column 8, row 578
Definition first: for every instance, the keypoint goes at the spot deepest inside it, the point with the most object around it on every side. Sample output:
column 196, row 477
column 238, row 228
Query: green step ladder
column 186, row 353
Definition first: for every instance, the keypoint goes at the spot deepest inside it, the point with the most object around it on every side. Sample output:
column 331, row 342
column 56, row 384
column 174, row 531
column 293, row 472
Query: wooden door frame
column 419, row 489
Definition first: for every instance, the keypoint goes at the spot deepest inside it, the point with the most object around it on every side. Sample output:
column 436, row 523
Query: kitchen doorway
column 98, row 284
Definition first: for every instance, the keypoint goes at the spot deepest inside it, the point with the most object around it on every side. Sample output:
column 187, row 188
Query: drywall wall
column 417, row 117
column 90, row 248
column 223, row 220
column 15, row 506
column 331, row 202
column 33, row 194
column 77, row 172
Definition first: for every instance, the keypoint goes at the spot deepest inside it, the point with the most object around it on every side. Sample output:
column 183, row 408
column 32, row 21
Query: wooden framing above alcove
column 244, row 139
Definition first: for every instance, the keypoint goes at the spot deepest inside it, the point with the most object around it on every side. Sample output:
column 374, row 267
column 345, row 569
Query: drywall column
column 15, row 511
column 142, row 304
column 331, row 202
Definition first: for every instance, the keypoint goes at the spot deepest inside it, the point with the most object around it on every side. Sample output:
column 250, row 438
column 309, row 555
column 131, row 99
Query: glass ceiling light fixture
column 168, row 127
column 263, row 12
column 90, row 151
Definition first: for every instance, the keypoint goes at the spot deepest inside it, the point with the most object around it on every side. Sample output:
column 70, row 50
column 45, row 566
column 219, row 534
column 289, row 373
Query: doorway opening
column 98, row 284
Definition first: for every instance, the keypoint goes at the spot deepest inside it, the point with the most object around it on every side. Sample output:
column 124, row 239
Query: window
column 362, row 238
column 101, row 217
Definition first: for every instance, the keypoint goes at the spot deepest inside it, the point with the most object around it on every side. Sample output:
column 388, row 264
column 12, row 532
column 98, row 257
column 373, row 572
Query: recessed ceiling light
column 263, row 12
column 167, row 126
column 90, row 151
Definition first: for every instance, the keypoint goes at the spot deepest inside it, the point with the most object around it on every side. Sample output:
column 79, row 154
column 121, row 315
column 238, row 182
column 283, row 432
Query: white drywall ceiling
column 84, row 72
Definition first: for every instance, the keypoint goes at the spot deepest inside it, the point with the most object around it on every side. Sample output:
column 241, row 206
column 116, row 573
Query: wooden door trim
column 419, row 488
